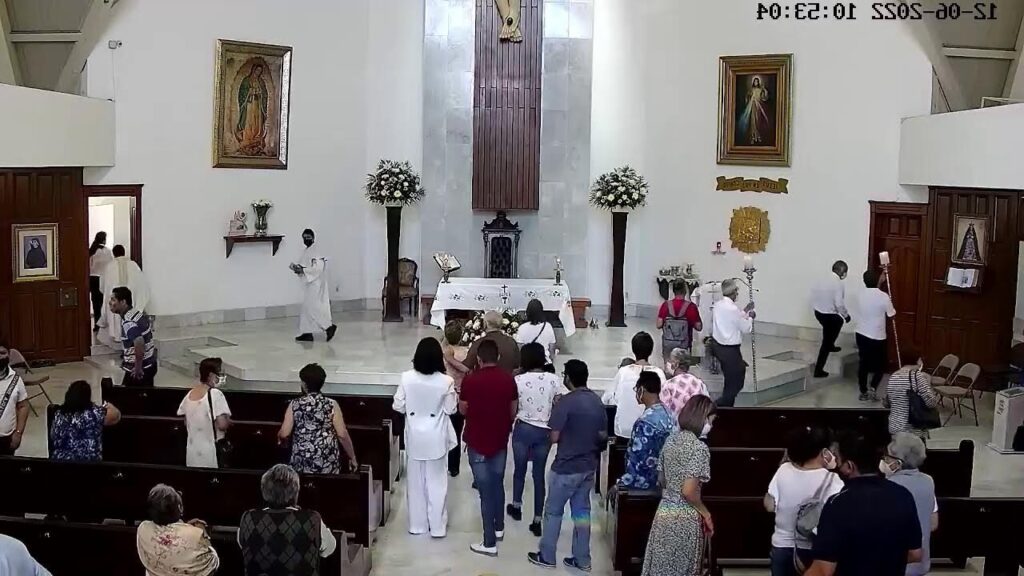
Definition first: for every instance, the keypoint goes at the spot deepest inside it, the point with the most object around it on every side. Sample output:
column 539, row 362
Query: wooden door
column 49, row 319
column 899, row 229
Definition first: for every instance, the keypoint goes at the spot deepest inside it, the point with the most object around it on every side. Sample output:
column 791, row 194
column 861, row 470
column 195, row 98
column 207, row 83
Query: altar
column 502, row 293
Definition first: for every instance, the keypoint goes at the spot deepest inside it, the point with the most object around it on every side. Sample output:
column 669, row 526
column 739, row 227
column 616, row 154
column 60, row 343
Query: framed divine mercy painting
column 252, row 84
column 755, row 109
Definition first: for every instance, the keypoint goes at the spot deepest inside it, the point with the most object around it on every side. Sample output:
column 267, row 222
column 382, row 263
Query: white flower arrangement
column 473, row 330
column 621, row 188
column 394, row 183
column 262, row 203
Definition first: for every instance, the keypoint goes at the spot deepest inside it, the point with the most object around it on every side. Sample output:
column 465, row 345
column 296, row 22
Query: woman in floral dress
column 316, row 427
column 77, row 430
column 676, row 543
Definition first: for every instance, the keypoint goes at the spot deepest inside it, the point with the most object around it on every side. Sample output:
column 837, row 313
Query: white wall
column 853, row 83
column 42, row 128
column 162, row 82
column 394, row 116
column 973, row 148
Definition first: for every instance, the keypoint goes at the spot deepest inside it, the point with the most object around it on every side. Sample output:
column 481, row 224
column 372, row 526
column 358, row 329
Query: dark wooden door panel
column 33, row 315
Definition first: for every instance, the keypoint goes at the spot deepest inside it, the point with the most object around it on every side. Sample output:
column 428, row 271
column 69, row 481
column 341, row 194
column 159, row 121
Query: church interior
column 333, row 181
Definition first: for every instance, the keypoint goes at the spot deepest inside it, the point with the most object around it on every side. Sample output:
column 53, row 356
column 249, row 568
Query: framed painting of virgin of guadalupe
column 251, row 89
column 755, row 110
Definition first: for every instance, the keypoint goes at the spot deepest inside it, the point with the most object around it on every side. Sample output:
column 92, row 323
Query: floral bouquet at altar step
column 473, row 330
column 394, row 184
column 621, row 189
column 260, row 208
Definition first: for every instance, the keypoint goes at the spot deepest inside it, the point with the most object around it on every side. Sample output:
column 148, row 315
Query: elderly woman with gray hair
column 681, row 386
column 903, row 458
column 170, row 547
column 282, row 538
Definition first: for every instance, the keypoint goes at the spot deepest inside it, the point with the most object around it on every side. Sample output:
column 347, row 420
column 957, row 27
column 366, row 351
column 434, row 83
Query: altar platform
column 367, row 356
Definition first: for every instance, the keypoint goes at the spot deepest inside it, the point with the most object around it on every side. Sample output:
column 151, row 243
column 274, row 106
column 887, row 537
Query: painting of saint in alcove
column 970, row 240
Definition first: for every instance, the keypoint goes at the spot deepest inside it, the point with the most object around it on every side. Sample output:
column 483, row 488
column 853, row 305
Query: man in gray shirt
column 579, row 426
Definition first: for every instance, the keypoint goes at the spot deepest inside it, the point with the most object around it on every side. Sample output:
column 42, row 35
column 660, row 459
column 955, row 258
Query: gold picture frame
column 755, row 109
column 970, row 240
column 749, row 229
column 35, row 252
column 251, row 100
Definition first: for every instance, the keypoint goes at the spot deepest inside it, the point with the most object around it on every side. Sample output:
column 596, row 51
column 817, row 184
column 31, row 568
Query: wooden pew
column 747, row 471
column 98, row 490
column 77, row 549
column 161, row 440
column 760, row 427
column 968, row 527
column 256, row 406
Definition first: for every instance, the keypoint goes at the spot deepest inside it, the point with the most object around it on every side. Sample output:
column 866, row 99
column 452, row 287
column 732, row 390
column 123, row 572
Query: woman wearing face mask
column 909, row 377
column 904, row 455
column 682, row 522
column 202, row 406
column 807, row 473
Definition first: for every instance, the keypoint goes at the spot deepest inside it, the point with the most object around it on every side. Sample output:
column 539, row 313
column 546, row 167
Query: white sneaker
column 499, row 535
column 484, row 550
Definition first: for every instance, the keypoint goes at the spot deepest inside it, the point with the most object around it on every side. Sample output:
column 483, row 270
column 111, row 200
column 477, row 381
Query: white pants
column 427, row 495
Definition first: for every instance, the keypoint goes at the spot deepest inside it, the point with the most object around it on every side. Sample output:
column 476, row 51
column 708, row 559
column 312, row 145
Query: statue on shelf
column 510, row 11
column 237, row 226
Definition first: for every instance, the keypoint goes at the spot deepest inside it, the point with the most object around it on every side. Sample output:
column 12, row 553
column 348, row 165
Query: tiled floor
column 399, row 554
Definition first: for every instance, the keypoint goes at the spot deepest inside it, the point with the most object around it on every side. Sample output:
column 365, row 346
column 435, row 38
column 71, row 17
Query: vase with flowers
column 261, row 208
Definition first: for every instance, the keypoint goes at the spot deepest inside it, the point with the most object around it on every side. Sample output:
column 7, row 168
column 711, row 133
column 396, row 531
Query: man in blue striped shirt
column 139, row 360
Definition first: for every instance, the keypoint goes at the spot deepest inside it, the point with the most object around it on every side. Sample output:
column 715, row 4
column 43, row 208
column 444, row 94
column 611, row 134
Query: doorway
column 116, row 211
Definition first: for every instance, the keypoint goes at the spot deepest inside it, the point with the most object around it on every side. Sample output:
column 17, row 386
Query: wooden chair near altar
column 408, row 285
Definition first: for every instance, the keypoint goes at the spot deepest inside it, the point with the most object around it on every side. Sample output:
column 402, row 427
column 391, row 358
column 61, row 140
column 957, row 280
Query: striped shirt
column 134, row 325
column 899, row 405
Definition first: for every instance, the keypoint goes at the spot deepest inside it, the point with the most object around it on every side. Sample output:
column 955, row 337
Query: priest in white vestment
column 316, row 302
column 122, row 271
column 427, row 397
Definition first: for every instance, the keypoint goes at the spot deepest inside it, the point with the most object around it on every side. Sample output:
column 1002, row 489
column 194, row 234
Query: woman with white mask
column 207, row 415
column 904, row 455
column 806, row 475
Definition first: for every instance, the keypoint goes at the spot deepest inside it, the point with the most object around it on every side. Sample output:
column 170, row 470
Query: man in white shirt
column 829, row 301
column 13, row 405
column 874, row 308
column 316, row 301
column 729, row 326
column 622, row 393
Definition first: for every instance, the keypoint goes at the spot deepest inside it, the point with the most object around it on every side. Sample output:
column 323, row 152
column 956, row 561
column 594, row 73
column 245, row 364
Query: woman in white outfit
column 427, row 398
column 202, row 406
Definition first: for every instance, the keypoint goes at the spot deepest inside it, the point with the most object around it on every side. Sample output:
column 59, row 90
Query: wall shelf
column 230, row 241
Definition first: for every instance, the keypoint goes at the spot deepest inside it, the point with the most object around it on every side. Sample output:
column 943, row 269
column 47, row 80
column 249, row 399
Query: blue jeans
column 489, row 475
column 576, row 489
column 782, row 561
column 530, row 444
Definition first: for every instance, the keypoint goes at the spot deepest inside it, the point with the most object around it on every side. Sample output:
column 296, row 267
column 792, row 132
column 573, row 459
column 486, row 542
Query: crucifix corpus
column 509, row 11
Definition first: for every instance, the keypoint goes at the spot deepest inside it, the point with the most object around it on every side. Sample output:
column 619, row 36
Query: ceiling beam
column 10, row 70
column 1014, row 86
column 979, row 53
column 94, row 25
column 927, row 35
column 17, row 37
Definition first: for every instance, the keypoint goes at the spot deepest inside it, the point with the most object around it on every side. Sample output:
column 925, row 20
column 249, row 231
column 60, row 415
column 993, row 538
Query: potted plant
column 260, row 208
column 393, row 185
column 619, row 191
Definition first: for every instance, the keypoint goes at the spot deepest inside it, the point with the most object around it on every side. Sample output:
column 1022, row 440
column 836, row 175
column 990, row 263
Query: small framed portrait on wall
column 970, row 240
column 35, row 252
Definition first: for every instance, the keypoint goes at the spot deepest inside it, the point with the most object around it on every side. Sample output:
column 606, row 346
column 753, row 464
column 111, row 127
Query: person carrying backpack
column 677, row 319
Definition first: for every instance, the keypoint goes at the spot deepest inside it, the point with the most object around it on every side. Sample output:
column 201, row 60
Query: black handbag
column 920, row 416
column 223, row 448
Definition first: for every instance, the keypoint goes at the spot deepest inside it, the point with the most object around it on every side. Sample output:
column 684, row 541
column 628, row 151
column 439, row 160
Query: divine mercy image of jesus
column 755, row 125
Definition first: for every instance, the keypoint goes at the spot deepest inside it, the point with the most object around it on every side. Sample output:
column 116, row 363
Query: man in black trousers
column 829, row 301
column 730, row 324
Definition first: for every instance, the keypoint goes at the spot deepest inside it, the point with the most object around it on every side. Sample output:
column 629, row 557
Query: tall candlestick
column 748, row 262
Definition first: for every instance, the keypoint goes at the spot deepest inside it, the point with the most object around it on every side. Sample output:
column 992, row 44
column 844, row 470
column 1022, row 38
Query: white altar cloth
column 501, row 293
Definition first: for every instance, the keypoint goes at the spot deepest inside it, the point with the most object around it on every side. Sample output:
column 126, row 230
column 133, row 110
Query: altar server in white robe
column 427, row 398
column 316, row 303
column 122, row 271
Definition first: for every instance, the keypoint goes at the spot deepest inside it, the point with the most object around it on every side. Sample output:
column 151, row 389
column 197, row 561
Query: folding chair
column 959, row 393
column 29, row 378
column 942, row 373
